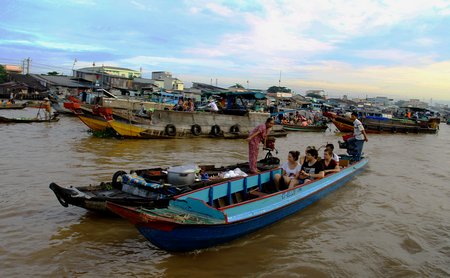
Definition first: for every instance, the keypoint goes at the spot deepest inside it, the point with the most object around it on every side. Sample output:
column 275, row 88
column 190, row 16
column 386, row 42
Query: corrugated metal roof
column 61, row 80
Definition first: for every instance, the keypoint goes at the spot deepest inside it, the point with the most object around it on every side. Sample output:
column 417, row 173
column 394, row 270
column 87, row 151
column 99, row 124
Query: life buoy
column 116, row 182
column 215, row 130
column 196, row 129
column 170, row 130
column 235, row 129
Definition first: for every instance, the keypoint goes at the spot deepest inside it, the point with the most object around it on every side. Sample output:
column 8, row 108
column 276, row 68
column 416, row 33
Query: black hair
column 295, row 154
column 330, row 146
column 270, row 119
column 354, row 114
column 313, row 152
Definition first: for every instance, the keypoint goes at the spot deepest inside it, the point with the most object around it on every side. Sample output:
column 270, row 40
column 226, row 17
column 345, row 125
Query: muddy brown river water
column 391, row 220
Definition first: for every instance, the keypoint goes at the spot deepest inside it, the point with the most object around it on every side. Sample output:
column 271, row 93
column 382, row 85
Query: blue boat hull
column 191, row 237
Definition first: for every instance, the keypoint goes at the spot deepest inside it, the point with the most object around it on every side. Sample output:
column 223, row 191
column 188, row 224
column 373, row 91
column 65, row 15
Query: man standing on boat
column 359, row 136
column 256, row 136
column 47, row 109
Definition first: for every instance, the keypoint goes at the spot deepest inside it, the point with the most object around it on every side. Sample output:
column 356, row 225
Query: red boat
column 385, row 125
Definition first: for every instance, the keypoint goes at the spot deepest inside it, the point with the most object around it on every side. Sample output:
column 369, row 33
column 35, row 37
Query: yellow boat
column 126, row 129
column 95, row 124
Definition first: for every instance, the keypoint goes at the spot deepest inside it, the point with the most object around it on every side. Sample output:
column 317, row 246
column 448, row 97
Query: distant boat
column 385, row 125
column 222, row 212
column 5, row 120
column 12, row 106
column 308, row 128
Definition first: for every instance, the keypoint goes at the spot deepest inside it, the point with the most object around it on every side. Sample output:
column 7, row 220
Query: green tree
column 314, row 95
column 276, row 89
column 52, row 73
column 238, row 86
column 3, row 74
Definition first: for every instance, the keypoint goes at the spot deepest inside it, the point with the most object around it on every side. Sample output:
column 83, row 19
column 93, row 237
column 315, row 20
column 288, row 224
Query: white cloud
column 55, row 45
column 165, row 61
column 407, row 81
column 141, row 6
column 395, row 55
column 205, row 6
column 69, row 46
column 291, row 31
column 425, row 42
column 219, row 9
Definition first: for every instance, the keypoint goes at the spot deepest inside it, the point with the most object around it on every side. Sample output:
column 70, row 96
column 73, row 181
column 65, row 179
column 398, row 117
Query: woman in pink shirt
column 257, row 135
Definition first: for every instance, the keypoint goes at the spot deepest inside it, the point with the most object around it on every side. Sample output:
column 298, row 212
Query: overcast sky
column 398, row 49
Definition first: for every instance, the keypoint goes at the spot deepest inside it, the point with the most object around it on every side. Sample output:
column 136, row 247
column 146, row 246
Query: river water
column 391, row 220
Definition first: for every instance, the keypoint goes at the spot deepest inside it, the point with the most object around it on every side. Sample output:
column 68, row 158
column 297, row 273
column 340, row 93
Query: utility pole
column 216, row 82
column 74, row 61
column 28, row 60
column 23, row 66
column 279, row 81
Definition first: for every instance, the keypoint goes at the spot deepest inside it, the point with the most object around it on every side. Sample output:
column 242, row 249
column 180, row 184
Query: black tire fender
column 116, row 182
column 235, row 128
column 215, row 130
column 196, row 129
column 170, row 130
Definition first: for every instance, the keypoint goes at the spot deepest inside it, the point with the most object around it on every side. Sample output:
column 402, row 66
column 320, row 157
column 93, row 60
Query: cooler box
column 182, row 175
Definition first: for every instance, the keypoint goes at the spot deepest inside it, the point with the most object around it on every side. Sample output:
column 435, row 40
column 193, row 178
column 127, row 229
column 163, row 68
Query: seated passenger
column 334, row 156
column 142, row 112
column 329, row 164
column 290, row 169
column 312, row 168
column 302, row 158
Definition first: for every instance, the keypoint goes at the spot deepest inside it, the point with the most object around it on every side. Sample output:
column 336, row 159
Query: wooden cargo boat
column 225, row 211
column 308, row 128
column 167, row 124
column 95, row 118
column 385, row 125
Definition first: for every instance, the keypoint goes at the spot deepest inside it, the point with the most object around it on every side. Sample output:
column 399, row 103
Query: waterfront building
column 167, row 80
column 12, row 68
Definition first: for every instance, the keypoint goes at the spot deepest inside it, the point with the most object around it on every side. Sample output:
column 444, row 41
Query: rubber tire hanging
column 196, row 130
column 215, row 130
column 170, row 130
column 235, row 128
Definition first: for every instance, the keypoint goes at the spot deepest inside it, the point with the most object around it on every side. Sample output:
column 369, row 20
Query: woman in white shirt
column 290, row 171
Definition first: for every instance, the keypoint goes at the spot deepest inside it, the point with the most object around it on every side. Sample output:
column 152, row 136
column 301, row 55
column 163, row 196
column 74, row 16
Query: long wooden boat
column 385, row 125
column 96, row 118
column 167, row 124
column 5, row 120
column 94, row 197
column 308, row 128
column 222, row 212
column 13, row 106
